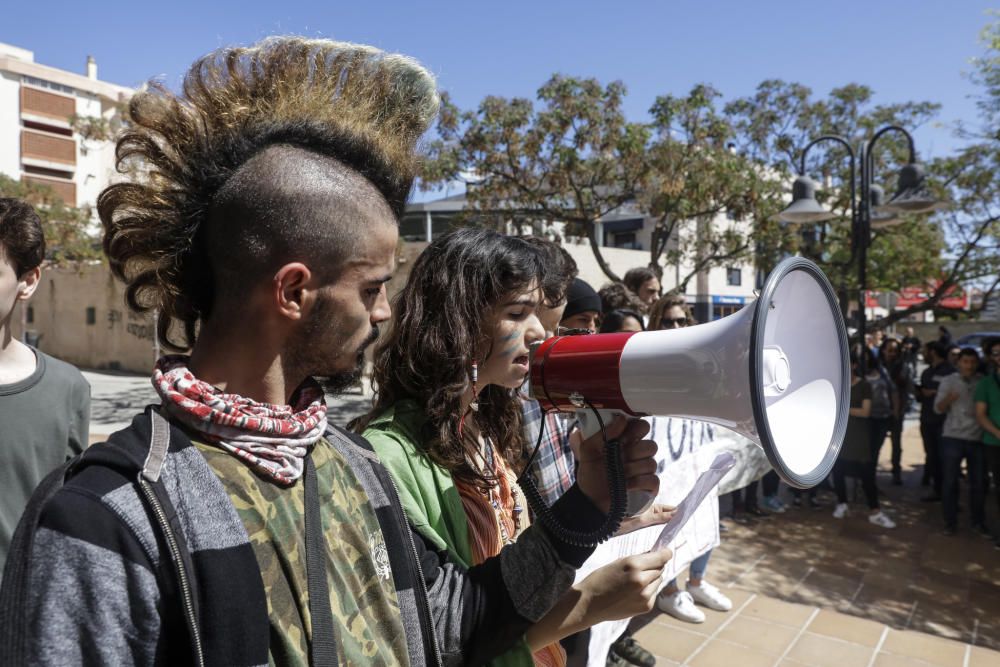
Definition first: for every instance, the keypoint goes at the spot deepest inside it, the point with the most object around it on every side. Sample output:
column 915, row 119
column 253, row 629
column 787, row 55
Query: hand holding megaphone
column 639, row 466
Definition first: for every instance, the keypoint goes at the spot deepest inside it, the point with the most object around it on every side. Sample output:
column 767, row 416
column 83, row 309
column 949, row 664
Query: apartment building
column 38, row 143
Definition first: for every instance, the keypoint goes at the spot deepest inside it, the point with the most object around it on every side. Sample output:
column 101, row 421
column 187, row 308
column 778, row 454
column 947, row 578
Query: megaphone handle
column 638, row 501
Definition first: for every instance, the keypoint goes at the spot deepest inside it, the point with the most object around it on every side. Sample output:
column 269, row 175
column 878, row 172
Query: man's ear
column 293, row 290
column 27, row 283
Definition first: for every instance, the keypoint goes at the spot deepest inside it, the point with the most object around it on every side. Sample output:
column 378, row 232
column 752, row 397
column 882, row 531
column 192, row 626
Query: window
column 626, row 240
column 91, row 315
column 42, row 83
column 734, row 276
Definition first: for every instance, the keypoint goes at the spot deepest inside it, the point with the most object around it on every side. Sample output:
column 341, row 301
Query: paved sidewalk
column 763, row 631
column 809, row 589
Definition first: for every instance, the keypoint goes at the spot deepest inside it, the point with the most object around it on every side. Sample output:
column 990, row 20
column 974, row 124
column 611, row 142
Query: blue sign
column 729, row 300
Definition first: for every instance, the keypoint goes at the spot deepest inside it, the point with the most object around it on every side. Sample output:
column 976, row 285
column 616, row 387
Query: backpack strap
column 16, row 576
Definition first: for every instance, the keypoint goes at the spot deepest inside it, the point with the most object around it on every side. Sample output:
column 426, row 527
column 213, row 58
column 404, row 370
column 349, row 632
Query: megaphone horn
column 776, row 372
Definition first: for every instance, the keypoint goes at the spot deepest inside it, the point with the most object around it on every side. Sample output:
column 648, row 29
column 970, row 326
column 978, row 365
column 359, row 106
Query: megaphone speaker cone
column 801, row 427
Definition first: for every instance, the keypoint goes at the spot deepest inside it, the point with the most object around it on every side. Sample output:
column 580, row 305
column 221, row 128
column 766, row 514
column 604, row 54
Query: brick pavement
column 809, row 589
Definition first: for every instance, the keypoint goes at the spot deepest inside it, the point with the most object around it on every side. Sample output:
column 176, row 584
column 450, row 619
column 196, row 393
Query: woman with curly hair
column 447, row 423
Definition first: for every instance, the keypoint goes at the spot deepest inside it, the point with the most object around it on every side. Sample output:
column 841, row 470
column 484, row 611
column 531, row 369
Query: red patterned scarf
column 273, row 439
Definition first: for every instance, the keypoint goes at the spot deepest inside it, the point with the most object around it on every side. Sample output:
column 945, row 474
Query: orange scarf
column 492, row 518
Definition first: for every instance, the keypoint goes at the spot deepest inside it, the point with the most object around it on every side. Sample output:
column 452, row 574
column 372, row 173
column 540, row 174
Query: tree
column 576, row 159
column 573, row 159
column 695, row 175
column 775, row 124
column 68, row 236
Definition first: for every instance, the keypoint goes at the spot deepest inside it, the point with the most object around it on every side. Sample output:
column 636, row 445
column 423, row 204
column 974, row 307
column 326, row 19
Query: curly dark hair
column 439, row 320
column 562, row 269
column 617, row 296
column 188, row 225
column 22, row 241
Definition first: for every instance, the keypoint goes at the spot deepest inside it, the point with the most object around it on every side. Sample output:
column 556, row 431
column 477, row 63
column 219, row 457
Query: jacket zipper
column 175, row 555
column 425, row 607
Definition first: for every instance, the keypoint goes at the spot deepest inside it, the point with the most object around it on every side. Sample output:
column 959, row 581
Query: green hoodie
column 428, row 493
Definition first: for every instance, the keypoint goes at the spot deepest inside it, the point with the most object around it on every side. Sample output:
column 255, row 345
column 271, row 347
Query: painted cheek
column 509, row 344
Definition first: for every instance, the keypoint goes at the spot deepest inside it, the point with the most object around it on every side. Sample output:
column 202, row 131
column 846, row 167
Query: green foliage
column 573, row 159
column 695, row 176
column 68, row 235
column 101, row 128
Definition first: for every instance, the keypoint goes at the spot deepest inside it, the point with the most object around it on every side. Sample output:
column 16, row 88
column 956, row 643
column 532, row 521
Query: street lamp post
column 867, row 209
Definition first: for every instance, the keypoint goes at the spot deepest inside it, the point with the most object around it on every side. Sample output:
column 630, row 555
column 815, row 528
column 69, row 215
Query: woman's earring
column 475, row 389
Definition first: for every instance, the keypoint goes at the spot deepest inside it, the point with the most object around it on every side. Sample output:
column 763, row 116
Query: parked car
column 976, row 340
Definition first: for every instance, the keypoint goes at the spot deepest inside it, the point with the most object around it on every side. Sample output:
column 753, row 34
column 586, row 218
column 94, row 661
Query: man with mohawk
column 231, row 525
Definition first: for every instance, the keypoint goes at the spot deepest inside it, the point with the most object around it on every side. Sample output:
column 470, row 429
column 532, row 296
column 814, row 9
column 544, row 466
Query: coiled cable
column 614, row 466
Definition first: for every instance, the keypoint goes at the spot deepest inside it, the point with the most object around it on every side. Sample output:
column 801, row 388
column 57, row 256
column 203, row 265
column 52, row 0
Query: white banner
column 686, row 449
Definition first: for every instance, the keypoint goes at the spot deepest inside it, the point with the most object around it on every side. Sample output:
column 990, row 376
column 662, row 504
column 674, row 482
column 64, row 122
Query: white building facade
column 37, row 141
column 625, row 238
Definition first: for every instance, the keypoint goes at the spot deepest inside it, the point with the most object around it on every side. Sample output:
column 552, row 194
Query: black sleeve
column 475, row 616
column 473, row 613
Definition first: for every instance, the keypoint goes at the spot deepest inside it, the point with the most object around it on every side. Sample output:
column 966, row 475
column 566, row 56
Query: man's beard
column 338, row 382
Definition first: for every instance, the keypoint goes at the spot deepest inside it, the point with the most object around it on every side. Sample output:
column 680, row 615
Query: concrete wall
column 117, row 339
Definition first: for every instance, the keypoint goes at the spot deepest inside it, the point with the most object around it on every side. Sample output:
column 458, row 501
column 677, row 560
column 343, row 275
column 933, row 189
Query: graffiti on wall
column 136, row 325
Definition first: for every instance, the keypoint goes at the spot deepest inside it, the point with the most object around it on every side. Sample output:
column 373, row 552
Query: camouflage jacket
column 104, row 589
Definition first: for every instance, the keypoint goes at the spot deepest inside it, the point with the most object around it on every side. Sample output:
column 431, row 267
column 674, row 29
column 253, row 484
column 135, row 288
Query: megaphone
column 776, row 372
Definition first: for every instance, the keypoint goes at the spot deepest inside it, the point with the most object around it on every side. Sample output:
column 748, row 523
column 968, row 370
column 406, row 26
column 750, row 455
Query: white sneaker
column 881, row 519
column 709, row 596
column 840, row 511
column 680, row 605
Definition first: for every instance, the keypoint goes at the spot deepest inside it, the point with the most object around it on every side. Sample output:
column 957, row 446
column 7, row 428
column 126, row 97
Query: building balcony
column 49, row 150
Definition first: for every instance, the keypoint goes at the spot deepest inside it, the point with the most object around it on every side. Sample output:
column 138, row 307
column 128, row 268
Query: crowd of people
column 233, row 523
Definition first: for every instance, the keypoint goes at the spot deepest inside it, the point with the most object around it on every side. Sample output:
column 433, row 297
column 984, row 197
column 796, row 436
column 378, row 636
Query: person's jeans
column 896, row 435
column 863, row 471
column 953, row 450
column 697, row 568
column 879, row 428
column 930, row 433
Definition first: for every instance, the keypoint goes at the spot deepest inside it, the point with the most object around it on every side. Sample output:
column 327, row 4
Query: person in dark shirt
column 44, row 402
column 856, row 453
column 931, row 423
column 901, row 384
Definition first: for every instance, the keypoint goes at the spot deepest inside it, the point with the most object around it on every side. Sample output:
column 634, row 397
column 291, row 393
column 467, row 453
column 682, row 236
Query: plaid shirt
column 554, row 467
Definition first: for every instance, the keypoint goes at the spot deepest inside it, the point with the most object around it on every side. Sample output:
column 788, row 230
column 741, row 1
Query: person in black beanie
column 583, row 307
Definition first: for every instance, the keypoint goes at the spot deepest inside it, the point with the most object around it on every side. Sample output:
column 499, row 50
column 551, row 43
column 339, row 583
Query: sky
column 903, row 49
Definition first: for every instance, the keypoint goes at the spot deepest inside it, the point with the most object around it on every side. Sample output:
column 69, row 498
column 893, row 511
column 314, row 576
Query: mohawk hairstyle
column 361, row 107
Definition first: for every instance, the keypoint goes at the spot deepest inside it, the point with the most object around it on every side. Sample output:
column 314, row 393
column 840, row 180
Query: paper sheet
column 707, row 481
